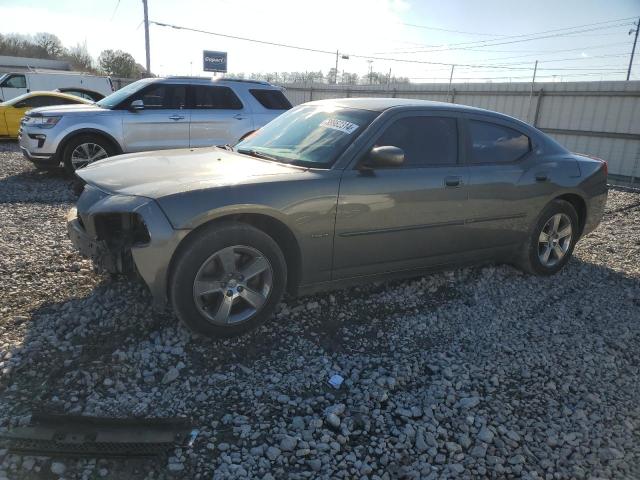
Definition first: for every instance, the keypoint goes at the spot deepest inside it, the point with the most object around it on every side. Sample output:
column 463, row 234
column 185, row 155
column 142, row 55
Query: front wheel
column 552, row 239
column 227, row 279
column 85, row 149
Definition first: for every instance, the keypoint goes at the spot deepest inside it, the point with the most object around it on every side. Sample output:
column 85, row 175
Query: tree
column 117, row 63
column 49, row 43
column 79, row 58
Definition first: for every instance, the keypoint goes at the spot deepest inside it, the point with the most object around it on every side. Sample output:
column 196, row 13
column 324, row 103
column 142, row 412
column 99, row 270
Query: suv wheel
column 227, row 279
column 85, row 149
column 552, row 239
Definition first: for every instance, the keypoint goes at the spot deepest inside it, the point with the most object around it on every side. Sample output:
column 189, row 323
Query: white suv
column 150, row 114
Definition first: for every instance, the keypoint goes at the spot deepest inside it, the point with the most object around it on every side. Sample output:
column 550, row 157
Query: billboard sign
column 214, row 61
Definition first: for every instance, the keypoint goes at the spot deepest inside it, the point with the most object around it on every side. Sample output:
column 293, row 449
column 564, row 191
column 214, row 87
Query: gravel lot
column 480, row 372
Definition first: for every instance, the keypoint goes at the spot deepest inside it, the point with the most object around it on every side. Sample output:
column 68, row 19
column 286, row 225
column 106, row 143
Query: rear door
column 162, row 124
column 218, row 116
column 12, row 85
column 500, row 190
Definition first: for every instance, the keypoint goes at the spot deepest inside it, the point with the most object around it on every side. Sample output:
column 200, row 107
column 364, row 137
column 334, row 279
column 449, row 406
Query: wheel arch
column 270, row 225
column 580, row 206
column 83, row 131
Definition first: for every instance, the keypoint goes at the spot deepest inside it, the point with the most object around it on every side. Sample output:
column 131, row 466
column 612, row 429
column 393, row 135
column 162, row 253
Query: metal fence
column 596, row 118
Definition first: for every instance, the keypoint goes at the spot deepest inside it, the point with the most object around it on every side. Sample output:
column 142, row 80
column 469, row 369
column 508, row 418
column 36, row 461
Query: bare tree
column 49, row 43
column 79, row 58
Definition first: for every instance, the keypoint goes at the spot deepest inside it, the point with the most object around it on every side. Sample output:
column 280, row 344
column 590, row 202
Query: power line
column 537, row 36
column 367, row 57
column 425, row 27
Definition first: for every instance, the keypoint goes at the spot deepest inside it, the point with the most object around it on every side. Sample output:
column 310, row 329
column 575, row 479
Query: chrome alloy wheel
column 85, row 153
column 232, row 285
column 555, row 239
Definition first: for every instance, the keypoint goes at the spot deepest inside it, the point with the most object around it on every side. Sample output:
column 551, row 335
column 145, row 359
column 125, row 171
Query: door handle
column 541, row 177
column 238, row 116
column 176, row 117
column 452, row 181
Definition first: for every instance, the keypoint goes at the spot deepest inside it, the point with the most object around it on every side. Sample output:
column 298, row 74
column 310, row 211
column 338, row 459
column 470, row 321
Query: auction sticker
column 341, row 125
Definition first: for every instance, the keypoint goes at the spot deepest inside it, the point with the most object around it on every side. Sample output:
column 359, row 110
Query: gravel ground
column 476, row 373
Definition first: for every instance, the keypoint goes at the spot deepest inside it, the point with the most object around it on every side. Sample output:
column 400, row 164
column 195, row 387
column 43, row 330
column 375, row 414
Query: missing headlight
column 122, row 229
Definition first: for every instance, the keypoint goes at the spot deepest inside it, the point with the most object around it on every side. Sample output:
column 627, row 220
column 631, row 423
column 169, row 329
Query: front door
column 217, row 116
column 162, row 123
column 408, row 216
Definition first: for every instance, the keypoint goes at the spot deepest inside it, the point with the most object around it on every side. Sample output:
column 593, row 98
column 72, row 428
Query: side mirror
column 136, row 105
column 387, row 156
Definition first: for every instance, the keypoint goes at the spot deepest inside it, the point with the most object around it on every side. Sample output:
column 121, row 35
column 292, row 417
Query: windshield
column 117, row 97
column 313, row 135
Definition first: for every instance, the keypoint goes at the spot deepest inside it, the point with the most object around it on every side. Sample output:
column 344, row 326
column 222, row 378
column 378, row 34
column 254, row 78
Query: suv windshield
column 119, row 96
column 312, row 136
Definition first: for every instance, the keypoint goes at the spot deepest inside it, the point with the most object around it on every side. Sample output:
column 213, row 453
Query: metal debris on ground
column 75, row 435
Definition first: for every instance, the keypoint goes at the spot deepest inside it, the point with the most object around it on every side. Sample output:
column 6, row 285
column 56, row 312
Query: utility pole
column 146, row 35
column 450, row 79
column 533, row 81
column 633, row 50
column 335, row 79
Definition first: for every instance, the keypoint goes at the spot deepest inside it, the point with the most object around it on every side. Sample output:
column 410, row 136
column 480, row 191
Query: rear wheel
column 227, row 279
column 552, row 239
column 85, row 149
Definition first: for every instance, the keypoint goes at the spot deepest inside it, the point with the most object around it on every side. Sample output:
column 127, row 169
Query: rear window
column 220, row 98
column 271, row 99
column 491, row 143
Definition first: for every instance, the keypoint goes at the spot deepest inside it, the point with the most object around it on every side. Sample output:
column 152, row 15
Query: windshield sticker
column 340, row 125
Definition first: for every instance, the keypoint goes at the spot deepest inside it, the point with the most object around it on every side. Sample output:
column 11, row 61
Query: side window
column 32, row 102
column 491, row 143
column 162, row 97
column 219, row 98
column 425, row 140
column 15, row 81
column 271, row 99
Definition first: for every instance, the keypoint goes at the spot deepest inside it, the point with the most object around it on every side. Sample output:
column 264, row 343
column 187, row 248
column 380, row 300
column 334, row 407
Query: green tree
column 117, row 63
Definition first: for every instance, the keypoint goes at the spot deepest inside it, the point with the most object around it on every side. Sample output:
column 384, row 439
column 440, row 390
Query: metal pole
column 335, row 78
column 146, row 35
column 533, row 81
column 450, row 80
column 633, row 50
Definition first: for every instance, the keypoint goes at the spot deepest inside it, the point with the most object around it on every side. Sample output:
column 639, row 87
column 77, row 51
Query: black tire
column 199, row 249
column 530, row 260
column 105, row 144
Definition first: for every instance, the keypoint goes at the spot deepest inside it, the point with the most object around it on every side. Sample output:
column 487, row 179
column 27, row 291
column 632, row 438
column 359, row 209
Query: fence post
column 348, row 93
column 311, row 93
column 536, row 115
column 453, row 95
column 395, row 93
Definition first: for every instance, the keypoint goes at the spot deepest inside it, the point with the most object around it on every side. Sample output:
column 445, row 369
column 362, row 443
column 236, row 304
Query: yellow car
column 12, row 111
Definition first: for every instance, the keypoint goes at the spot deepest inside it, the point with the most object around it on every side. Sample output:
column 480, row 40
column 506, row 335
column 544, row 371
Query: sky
column 477, row 36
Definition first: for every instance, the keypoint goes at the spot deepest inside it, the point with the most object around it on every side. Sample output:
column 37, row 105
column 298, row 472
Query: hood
column 66, row 109
column 167, row 172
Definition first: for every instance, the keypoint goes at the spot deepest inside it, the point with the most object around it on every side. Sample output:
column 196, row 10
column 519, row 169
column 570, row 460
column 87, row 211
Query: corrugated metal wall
column 596, row 118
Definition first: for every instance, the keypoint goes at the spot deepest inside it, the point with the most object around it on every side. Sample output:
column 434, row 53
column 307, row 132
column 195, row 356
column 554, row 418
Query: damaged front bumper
column 125, row 234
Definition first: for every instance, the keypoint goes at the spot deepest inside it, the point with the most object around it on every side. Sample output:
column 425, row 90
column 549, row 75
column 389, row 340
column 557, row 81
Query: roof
column 382, row 104
column 49, row 94
column 214, row 80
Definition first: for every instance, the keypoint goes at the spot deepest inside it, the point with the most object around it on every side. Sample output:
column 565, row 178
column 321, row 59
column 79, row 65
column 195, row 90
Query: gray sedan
column 335, row 193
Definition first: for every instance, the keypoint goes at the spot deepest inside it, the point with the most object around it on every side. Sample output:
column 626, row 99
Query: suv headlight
column 40, row 121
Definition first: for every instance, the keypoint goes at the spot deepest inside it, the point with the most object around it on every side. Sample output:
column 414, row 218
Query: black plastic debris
column 75, row 435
